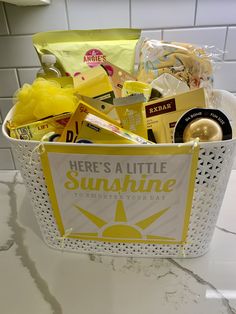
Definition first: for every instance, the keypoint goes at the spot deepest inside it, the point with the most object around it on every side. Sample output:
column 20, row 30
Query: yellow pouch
column 71, row 131
column 78, row 50
column 131, row 111
column 163, row 114
column 100, row 131
column 48, row 129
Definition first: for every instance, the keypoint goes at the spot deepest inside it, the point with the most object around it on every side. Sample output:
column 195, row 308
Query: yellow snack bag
column 100, row 131
column 48, row 129
column 131, row 111
column 94, row 83
column 71, row 131
column 78, row 50
column 163, row 114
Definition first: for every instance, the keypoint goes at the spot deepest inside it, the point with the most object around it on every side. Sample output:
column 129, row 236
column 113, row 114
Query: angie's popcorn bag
column 78, row 50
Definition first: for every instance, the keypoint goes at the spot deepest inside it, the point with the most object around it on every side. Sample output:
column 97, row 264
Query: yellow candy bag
column 78, row 50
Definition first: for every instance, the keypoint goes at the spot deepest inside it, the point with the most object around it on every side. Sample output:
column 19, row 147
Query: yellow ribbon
column 38, row 149
column 194, row 143
column 63, row 237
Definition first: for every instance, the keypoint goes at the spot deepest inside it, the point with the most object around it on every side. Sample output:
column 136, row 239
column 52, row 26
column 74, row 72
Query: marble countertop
column 37, row 279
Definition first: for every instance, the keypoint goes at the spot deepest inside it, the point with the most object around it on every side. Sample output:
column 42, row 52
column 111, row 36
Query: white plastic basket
column 214, row 167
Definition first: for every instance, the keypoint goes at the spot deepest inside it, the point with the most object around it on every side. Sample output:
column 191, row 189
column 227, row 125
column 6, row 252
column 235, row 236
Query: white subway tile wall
column 206, row 36
column 216, row 12
column 6, row 159
column 17, row 51
column 98, row 14
column 8, row 82
column 208, row 23
column 27, row 75
column 230, row 49
column 162, row 13
column 29, row 20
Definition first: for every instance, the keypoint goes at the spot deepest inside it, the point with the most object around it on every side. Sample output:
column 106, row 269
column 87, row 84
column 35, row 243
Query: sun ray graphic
column 120, row 227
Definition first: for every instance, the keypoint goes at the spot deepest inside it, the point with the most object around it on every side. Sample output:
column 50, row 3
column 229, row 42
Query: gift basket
column 118, row 162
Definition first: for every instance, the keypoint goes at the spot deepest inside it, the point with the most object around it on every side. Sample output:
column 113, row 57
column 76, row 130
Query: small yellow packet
column 135, row 87
column 163, row 114
column 131, row 111
column 47, row 129
column 71, row 131
column 97, row 130
column 94, row 83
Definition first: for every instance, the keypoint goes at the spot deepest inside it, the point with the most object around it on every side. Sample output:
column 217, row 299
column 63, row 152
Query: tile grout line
column 20, row 67
column 187, row 27
column 6, row 18
column 67, row 15
column 18, row 77
column 226, row 37
column 130, row 13
column 19, row 85
column 145, row 29
column 13, row 159
column 16, row 35
column 195, row 13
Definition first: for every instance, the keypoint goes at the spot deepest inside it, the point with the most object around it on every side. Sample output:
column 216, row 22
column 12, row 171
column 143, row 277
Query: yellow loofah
column 42, row 99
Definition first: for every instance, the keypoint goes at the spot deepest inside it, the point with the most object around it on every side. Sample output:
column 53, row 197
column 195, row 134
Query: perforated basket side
column 214, row 166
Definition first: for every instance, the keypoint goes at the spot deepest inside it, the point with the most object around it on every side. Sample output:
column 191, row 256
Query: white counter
column 35, row 279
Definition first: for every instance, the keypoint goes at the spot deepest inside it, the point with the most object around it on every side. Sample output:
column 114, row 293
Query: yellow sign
column 138, row 194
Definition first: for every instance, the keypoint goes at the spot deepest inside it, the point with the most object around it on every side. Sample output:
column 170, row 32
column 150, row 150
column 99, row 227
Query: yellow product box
column 71, row 131
column 49, row 129
column 99, row 131
column 94, row 83
column 162, row 114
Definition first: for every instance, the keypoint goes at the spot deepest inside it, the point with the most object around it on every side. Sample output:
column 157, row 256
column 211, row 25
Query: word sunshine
column 126, row 184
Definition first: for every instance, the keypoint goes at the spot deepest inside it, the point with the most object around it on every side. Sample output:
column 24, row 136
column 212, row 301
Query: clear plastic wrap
column 173, row 67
